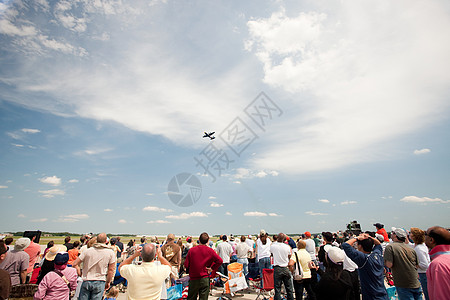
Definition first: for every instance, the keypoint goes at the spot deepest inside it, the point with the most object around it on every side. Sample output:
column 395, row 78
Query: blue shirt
column 371, row 271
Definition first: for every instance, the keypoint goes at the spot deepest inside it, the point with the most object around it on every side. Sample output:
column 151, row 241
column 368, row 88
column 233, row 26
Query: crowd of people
column 325, row 266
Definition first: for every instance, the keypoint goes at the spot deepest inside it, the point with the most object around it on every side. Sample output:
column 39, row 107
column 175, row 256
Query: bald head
column 148, row 252
column 437, row 236
column 101, row 238
column 171, row 237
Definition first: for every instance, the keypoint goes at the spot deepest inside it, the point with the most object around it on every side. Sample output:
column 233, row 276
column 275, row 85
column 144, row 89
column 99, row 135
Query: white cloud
column 348, row 202
column 3, row 186
column 228, row 213
column 18, row 145
column 78, row 216
column 149, row 194
column 350, row 70
column 195, row 214
column 94, row 151
column 248, row 173
column 73, row 180
column 155, row 208
column 72, row 218
column 39, row 220
column 255, row 214
column 52, row 193
column 274, row 215
column 311, row 213
column 215, row 204
column 158, row 222
column 52, row 180
column 21, row 216
column 122, row 221
column 324, row 200
column 422, row 151
column 237, row 182
column 212, row 197
column 108, row 210
column 415, row 199
column 30, row 130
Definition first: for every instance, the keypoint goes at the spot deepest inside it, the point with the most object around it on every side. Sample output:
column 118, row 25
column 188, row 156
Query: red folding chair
column 268, row 284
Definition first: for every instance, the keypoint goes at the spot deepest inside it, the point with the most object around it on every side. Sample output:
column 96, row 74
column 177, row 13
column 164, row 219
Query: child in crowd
column 112, row 294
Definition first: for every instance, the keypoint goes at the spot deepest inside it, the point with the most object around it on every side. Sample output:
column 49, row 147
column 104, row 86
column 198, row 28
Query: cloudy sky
column 324, row 111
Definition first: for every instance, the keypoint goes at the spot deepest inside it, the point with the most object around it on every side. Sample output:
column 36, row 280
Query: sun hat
column 399, row 232
column 262, row 232
column 336, row 255
column 22, row 243
column 61, row 258
column 51, row 253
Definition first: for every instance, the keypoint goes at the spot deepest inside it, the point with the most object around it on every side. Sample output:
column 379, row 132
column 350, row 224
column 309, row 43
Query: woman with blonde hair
column 418, row 237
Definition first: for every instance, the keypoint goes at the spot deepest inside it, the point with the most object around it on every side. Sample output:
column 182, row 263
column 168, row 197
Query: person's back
column 404, row 267
column 95, row 262
column 16, row 262
column 224, row 250
column 33, row 250
column 438, row 273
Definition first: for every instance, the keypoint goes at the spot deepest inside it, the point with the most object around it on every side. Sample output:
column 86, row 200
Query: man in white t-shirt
column 281, row 254
column 224, row 250
column 242, row 252
column 145, row 280
column 263, row 251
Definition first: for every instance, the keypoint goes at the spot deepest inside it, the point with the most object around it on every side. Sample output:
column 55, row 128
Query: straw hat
column 51, row 253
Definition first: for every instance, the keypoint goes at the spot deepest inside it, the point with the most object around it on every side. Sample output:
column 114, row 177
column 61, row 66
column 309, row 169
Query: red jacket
column 383, row 232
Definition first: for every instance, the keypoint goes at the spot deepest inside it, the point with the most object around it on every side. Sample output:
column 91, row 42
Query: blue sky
column 103, row 103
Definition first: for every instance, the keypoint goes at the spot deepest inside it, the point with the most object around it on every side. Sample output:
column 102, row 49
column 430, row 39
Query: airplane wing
column 211, row 133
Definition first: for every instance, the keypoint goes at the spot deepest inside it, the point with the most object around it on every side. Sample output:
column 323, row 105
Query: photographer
column 369, row 259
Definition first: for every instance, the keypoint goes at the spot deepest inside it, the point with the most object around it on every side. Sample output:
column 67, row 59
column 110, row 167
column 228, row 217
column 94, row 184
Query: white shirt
column 263, row 250
column 423, row 257
column 224, row 250
column 242, row 250
column 311, row 248
column 281, row 253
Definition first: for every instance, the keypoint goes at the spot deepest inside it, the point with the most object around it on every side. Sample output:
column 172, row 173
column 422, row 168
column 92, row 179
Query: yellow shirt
column 304, row 259
column 145, row 280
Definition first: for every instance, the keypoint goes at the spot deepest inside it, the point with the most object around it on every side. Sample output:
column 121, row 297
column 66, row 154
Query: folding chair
column 268, row 284
column 236, row 279
column 254, row 279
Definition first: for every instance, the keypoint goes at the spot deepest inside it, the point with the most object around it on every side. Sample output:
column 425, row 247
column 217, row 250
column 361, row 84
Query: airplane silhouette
column 210, row 135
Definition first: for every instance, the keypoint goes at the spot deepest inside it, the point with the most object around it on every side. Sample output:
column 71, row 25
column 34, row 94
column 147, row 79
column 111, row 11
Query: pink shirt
column 438, row 273
column 33, row 251
column 53, row 287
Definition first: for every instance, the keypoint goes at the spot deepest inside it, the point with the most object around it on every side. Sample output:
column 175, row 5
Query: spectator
column 382, row 231
column 112, row 294
column 281, row 254
column 402, row 259
column 172, row 252
column 33, row 250
column 49, row 245
column 317, row 243
column 370, row 266
column 224, row 250
column 120, row 245
column 48, row 265
column 8, row 242
column 418, row 237
column 242, row 251
column 328, row 240
column 304, row 259
column 67, row 243
column 438, row 273
column 145, row 280
column 114, row 247
column 5, row 279
column 310, row 246
column 74, row 252
column 56, row 285
column 131, row 247
column 334, row 283
column 99, row 264
column 201, row 263
column 17, row 261
column 263, row 251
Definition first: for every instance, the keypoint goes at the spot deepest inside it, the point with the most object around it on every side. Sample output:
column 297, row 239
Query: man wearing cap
column 281, row 275
column 57, row 284
column 99, row 264
column 370, row 265
column 438, row 273
column 382, row 231
column 145, row 280
column 16, row 262
column 403, row 261
column 310, row 246
column 263, row 251
column 5, row 279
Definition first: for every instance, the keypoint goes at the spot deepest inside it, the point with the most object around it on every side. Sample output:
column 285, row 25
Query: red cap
column 308, row 234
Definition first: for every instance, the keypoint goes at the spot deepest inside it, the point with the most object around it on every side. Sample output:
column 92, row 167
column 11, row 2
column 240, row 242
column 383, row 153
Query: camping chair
column 268, row 284
column 236, row 279
column 254, row 280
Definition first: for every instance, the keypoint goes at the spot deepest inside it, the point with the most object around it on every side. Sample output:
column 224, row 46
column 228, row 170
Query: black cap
column 378, row 225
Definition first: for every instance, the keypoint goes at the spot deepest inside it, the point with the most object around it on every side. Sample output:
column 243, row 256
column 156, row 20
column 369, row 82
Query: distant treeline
column 46, row 233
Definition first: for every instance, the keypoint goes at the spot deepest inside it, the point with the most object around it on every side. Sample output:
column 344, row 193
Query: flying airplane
column 210, row 135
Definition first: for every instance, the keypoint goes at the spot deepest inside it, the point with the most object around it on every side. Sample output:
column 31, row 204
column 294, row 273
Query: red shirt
column 383, row 232
column 33, row 251
column 199, row 258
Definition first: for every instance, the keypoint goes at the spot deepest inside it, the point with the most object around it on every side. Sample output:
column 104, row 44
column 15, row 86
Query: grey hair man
column 145, row 280
column 99, row 264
